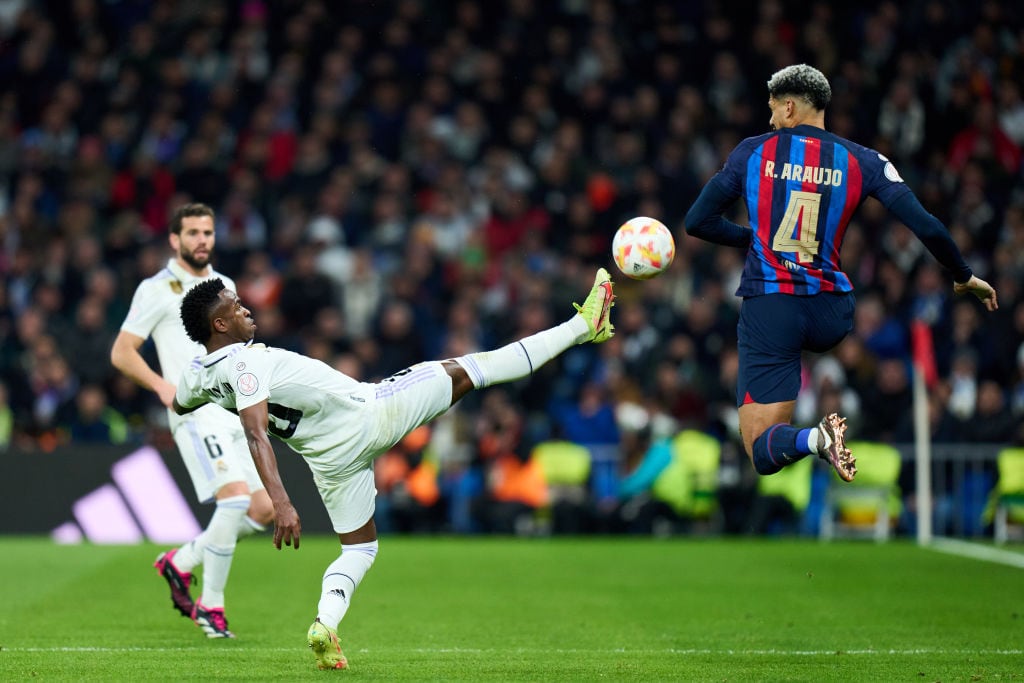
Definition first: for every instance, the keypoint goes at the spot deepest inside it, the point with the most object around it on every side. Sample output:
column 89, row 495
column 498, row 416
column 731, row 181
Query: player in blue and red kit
column 801, row 184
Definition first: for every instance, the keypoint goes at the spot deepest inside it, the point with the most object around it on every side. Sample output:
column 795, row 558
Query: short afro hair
column 801, row 80
column 196, row 307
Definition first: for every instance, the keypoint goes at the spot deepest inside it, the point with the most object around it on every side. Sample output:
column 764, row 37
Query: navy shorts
column 773, row 332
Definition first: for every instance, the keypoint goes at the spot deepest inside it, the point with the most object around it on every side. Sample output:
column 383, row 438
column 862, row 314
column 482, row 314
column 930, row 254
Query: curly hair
column 801, row 80
column 196, row 307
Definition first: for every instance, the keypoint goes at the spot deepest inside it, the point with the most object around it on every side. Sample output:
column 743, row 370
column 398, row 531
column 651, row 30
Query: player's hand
column 287, row 526
column 980, row 289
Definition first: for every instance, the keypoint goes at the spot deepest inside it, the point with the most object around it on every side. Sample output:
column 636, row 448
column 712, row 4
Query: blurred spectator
column 963, row 380
column 407, row 486
column 645, row 455
column 304, row 291
column 879, row 331
column 399, row 344
column 887, row 400
column 259, row 284
column 827, row 377
column 589, row 420
column 984, row 141
column 89, row 419
column 361, row 294
column 901, row 119
column 1017, row 399
column 993, row 420
column 54, row 388
column 88, row 343
column 198, row 178
column 146, row 187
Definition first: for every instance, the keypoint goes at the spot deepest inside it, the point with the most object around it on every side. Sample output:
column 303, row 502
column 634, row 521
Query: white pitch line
column 490, row 651
column 952, row 546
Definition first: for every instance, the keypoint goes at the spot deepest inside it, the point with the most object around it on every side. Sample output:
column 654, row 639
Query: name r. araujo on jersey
column 820, row 175
column 804, row 174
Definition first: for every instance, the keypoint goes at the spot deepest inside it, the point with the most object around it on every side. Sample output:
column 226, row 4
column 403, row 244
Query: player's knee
column 461, row 383
column 261, row 510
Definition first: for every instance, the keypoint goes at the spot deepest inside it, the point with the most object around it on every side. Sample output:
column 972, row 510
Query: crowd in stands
column 410, row 179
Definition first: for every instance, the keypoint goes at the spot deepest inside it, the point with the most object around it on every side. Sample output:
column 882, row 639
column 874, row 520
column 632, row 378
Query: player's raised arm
column 287, row 526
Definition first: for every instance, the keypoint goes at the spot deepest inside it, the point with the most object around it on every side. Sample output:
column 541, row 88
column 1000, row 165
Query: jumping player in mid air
column 801, row 184
column 340, row 425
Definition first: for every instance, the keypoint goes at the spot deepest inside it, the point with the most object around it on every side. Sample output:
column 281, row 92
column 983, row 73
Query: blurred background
column 409, row 180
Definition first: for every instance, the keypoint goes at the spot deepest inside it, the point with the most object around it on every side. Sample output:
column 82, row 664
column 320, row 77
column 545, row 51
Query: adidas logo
column 142, row 503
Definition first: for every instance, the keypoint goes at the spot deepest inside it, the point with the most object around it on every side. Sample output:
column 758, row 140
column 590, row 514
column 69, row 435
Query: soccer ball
column 643, row 247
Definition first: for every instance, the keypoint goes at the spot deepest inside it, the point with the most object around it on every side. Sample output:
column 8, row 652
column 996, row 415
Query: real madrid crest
column 176, row 286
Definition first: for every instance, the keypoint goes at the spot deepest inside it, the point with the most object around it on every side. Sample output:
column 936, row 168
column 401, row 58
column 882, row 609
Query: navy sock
column 776, row 448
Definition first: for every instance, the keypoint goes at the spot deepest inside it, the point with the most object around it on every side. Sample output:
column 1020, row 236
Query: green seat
column 870, row 504
column 566, row 468
column 792, row 482
column 1008, row 494
column 689, row 485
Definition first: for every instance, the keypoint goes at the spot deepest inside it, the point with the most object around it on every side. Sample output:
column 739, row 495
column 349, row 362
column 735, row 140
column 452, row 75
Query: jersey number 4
column 799, row 230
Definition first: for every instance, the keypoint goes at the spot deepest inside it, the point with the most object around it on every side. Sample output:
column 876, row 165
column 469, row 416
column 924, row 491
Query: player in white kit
column 210, row 440
column 339, row 425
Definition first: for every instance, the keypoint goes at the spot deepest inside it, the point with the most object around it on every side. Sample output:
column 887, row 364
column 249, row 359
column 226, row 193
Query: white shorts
column 215, row 452
column 400, row 404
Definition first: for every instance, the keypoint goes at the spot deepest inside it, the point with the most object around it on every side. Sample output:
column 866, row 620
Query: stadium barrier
column 123, row 494
column 962, row 476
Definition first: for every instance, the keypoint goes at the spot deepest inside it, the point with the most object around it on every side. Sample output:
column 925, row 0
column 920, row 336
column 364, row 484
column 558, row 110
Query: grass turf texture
column 528, row 610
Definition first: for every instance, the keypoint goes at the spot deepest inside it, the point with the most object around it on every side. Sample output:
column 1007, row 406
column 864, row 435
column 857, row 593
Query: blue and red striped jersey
column 801, row 186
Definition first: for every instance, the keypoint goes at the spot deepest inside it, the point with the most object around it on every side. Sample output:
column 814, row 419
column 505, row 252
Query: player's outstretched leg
column 178, row 581
column 323, row 641
column 832, row 446
column 212, row 621
column 597, row 307
column 522, row 358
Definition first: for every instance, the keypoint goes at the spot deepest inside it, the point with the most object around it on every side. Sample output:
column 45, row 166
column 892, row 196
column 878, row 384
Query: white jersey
column 156, row 312
column 311, row 406
column 339, row 425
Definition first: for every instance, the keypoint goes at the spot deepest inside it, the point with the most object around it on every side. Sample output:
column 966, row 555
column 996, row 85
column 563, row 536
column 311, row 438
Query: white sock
column 221, row 536
column 813, row 439
column 248, row 526
column 341, row 580
column 522, row 358
column 190, row 555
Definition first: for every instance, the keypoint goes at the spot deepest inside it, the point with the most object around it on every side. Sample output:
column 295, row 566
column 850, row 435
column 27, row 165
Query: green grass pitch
column 503, row 609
